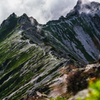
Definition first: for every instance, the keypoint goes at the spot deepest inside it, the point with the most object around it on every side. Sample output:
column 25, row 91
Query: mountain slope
column 31, row 54
column 79, row 31
column 24, row 65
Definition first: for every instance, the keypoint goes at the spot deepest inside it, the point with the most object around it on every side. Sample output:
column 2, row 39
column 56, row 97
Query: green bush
column 94, row 93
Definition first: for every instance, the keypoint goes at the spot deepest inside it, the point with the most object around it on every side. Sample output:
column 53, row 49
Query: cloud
column 95, row 0
column 41, row 10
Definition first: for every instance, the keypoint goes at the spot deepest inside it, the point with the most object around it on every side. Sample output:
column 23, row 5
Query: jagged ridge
column 26, row 61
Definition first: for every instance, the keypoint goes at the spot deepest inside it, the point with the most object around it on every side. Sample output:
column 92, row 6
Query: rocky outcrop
column 77, row 79
column 82, row 94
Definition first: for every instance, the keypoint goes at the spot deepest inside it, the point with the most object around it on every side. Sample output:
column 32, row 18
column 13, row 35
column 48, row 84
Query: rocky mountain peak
column 13, row 15
column 10, row 19
column 33, row 21
column 79, row 3
column 28, row 20
column 24, row 18
column 84, row 6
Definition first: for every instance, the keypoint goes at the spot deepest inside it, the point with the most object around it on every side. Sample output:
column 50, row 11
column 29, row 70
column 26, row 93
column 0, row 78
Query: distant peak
column 8, row 20
column 13, row 15
column 28, row 20
column 24, row 18
column 85, row 6
column 25, row 15
column 33, row 21
column 80, row 4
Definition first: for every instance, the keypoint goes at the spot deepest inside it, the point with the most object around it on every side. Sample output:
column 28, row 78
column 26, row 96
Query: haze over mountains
column 32, row 54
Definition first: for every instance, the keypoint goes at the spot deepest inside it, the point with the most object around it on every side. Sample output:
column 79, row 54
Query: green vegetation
column 6, row 30
column 94, row 92
column 21, row 62
column 59, row 98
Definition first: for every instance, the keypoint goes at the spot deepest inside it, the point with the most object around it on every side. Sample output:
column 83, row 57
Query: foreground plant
column 94, row 93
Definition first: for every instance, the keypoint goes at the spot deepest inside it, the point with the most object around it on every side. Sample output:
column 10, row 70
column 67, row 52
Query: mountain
column 79, row 31
column 33, row 55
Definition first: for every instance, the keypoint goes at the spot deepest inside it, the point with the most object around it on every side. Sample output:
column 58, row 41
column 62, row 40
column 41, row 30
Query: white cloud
column 42, row 10
column 95, row 0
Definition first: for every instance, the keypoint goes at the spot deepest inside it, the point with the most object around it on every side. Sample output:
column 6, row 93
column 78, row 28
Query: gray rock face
column 82, row 94
column 79, row 31
column 84, row 6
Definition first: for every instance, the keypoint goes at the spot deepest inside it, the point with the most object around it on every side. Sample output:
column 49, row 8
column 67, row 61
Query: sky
column 41, row 10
